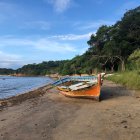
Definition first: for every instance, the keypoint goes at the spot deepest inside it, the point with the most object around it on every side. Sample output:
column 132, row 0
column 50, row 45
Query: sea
column 11, row 86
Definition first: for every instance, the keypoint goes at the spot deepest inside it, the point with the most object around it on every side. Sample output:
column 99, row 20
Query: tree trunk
column 123, row 65
column 112, row 68
column 105, row 69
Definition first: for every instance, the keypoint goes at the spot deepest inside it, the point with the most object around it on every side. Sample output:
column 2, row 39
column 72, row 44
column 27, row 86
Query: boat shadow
column 109, row 92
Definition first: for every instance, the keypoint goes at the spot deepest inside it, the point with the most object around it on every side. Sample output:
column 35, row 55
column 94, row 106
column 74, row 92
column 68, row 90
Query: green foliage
column 115, row 43
column 43, row 68
column 134, row 60
column 130, row 79
column 4, row 71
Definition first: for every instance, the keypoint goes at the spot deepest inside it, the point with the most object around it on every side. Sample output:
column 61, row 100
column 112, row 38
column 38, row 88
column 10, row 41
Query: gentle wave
column 11, row 86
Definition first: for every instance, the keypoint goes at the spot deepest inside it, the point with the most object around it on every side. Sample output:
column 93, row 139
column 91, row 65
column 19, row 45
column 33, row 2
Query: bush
column 134, row 60
column 130, row 79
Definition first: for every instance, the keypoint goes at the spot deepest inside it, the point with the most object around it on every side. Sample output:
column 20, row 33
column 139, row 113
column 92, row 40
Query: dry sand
column 51, row 116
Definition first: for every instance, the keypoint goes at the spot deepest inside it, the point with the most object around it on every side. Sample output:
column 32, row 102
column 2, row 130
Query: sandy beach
column 44, row 114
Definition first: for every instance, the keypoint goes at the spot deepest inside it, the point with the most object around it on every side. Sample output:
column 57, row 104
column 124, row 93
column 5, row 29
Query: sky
column 32, row 31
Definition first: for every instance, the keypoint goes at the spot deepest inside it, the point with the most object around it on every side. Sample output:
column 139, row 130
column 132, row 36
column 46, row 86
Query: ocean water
column 11, row 86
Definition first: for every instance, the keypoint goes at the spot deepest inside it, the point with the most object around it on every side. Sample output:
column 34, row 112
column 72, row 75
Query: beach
column 44, row 114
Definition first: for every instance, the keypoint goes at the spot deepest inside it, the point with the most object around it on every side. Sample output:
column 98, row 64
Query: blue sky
column 32, row 31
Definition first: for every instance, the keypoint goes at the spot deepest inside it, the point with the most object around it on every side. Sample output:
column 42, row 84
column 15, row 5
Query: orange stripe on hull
column 92, row 92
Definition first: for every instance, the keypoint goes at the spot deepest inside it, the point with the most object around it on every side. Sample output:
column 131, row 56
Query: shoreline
column 40, row 91
column 44, row 113
column 36, row 92
column 21, row 97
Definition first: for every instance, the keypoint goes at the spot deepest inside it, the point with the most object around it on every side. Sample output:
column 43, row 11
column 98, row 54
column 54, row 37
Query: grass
column 130, row 79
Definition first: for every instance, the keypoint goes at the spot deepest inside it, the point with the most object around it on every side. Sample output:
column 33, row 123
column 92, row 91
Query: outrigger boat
column 80, row 86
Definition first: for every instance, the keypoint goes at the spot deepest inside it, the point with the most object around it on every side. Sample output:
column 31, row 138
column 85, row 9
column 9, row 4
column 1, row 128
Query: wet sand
column 46, row 115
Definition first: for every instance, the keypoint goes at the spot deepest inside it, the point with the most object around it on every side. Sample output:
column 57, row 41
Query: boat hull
column 92, row 92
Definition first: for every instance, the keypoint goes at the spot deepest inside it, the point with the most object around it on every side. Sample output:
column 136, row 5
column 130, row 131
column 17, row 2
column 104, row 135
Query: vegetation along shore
column 113, row 48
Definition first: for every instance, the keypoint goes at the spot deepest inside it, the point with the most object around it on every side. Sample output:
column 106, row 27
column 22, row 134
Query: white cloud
column 43, row 25
column 72, row 36
column 8, row 57
column 93, row 25
column 44, row 44
column 11, row 41
column 56, row 43
column 54, row 46
column 35, row 49
column 9, row 60
column 60, row 5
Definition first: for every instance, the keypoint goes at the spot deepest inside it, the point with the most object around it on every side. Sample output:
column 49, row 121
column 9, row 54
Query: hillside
column 109, row 50
column 4, row 71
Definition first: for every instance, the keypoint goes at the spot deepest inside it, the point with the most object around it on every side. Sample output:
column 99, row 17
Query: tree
column 134, row 59
column 115, row 43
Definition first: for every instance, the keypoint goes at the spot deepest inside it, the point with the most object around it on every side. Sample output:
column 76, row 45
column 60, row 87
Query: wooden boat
column 80, row 86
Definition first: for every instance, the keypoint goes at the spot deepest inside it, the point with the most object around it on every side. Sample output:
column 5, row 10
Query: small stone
column 123, row 121
column 3, row 119
column 125, row 126
column 129, row 115
column 137, row 96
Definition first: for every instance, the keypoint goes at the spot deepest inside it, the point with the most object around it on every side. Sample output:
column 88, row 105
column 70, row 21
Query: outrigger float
column 80, row 86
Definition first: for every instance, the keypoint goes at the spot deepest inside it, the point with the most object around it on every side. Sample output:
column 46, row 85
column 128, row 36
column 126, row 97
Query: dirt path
column 55, row 117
